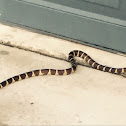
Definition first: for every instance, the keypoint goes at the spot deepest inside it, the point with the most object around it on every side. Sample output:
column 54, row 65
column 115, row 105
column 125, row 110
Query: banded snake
column 72, row 54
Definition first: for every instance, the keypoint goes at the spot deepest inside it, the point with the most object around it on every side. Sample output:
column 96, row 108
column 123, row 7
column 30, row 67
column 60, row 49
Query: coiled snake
column 72, row 54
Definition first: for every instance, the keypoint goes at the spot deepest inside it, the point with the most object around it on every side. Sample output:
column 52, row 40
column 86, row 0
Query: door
column 97, row 23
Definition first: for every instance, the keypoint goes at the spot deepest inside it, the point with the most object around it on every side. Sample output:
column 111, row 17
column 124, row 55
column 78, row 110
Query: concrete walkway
column 87, row 97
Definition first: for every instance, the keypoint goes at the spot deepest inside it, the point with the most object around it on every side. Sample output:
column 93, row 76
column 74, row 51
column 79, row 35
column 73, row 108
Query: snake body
column 72, row 54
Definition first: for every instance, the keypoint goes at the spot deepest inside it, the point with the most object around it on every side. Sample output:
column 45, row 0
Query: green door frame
column 66, row 22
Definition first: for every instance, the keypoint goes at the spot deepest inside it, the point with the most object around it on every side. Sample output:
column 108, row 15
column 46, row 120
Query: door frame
column 65, row 22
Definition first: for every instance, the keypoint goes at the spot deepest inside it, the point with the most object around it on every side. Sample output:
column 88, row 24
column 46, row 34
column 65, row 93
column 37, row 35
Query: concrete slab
column 87, row 97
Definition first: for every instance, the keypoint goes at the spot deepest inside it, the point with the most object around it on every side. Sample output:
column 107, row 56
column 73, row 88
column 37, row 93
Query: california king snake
column 72, row 54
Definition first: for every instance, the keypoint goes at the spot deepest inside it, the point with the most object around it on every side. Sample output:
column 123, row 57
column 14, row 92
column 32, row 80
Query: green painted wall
column 111, row 8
